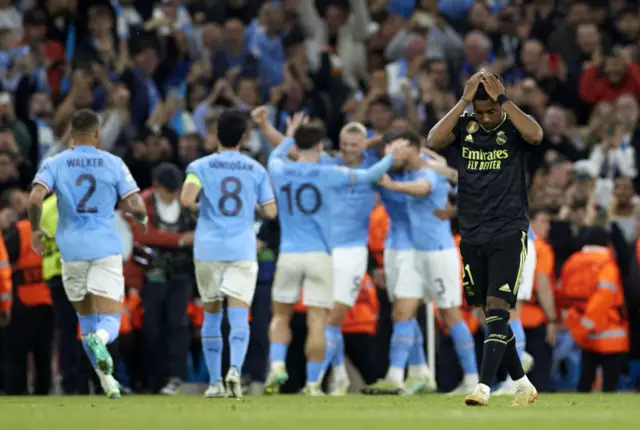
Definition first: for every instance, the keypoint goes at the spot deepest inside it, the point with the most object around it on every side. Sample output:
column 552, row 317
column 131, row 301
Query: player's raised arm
column 529, row 129
column 441, row 135
column 281, row 151
column 344, row 176
column 260, row 117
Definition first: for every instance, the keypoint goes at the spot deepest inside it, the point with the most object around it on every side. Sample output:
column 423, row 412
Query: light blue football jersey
column 397, row 207
column 531, row 235
column 351, row 207
column 304, row 192
column 232, row 184
column 88, row 183
column 428, row 232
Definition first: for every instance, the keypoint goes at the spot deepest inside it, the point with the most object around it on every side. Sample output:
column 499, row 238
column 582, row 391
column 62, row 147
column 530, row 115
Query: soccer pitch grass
column 552, row 411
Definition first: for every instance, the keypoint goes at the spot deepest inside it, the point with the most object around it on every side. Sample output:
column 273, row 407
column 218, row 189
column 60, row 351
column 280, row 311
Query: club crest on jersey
column 501, row 138
column 469, row 138
column 472, row 127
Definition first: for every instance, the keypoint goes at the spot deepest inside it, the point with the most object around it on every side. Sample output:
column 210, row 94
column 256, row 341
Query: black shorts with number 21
column 493, row 269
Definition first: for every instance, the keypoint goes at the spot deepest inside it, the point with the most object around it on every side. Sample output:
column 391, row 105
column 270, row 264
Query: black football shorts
column 493, row 269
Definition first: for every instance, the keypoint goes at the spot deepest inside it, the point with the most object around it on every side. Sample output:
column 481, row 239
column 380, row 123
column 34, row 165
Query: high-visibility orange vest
column 6, row 284
column 532, row 314
column 378, row 228
column 195, row 310
column 31, row 289
column 593, row 301
column 363, row 316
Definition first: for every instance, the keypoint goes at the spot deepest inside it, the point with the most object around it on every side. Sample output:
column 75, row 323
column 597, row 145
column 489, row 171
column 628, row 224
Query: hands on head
column 490, row 81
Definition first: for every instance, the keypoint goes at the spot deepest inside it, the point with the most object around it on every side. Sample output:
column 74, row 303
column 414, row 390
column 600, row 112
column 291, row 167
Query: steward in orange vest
column 31, row 328
column 594, row 310
column 6, row 286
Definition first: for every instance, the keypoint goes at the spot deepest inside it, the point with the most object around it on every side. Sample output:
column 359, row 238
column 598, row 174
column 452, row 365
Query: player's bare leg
column 420, row 379
column 279, row 339
column 99, row 319
column 334, row 350
column 238, row 315
column 212, row 346
column 315, row 348
column 465, row 349
column 402, row 341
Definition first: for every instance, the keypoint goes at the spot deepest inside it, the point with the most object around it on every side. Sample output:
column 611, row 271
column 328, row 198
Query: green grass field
column 566, row 412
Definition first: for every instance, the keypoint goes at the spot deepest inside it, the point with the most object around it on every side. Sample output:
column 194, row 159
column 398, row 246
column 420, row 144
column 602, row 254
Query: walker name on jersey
column 85, row 162
column 478, row 159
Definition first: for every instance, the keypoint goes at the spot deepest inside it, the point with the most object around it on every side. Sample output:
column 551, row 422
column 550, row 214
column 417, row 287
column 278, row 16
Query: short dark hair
column 410, row 135
column 84, row 121
column 309, row 135
column 232, row 125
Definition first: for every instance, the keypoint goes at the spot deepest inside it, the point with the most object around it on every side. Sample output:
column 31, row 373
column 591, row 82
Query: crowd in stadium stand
column 159, row 73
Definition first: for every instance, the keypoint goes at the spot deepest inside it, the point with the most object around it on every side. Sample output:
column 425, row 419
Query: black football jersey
column 492, row 182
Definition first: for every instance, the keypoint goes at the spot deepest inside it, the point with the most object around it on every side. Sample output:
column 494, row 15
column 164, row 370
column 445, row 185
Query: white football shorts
column 403, row 280
column 349, row 267
column 102, row 277
column 528, row 272
column 313, row 271
column 441, row 271
column 217, row 279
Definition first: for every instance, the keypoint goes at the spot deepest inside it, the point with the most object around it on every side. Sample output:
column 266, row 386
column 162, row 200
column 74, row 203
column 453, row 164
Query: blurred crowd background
column 160, row 73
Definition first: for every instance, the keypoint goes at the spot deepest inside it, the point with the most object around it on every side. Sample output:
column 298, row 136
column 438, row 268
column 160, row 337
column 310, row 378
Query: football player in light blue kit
column 304, row 190
column 230, row 186
column 88, row 183
column 350, row 208
column 436, row 258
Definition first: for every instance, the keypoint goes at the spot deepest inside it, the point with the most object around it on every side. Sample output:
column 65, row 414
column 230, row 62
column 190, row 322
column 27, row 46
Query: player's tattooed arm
column 441, row 135
column 38, row 193
column 135, row 207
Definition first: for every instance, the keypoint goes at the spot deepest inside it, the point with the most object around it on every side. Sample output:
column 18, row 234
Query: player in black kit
column 494, row 142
